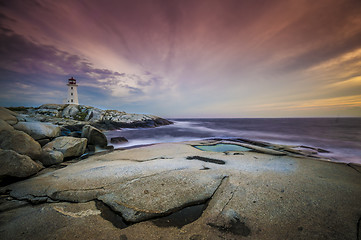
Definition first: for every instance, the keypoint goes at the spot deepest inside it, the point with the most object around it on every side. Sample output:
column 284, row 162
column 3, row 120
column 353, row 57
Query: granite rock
column 69, row 146
column 252, row 195
column 20, row 142
column 50, row 157
column 5, row 126
column 38, row 130
column 8, row 116
column 13, row 164
column 95, row 136
column 70, row 111
column 70, row 114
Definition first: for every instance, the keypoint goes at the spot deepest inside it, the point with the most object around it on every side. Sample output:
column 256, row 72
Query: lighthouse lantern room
column 72, row 92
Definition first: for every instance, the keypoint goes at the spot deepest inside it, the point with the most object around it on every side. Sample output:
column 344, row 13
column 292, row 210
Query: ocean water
column 340, row 136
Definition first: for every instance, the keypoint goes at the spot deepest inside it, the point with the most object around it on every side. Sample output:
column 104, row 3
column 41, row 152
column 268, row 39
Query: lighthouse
column 72, row 92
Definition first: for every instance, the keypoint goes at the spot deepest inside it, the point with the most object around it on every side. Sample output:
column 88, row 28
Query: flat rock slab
column 252, row 195
column 157, row 195
column 57, row 221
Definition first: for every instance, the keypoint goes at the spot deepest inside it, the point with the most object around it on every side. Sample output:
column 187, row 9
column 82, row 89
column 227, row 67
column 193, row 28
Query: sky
column 185, row 58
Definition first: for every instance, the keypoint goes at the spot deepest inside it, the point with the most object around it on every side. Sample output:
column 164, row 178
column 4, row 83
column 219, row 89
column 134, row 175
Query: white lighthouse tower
column 72, row 92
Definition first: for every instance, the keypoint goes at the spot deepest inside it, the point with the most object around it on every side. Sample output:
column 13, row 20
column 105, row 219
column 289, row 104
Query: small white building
column 72, row 92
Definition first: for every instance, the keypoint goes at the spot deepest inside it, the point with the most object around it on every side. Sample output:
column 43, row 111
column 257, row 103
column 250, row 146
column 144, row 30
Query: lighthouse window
column 72, row 100
column 71, row 94
column 71, row 87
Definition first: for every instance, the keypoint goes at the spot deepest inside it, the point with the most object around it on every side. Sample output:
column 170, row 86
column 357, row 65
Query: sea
column 340, row 136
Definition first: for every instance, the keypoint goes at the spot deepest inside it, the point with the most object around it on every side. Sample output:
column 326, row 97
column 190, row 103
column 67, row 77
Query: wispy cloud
column 188, row 57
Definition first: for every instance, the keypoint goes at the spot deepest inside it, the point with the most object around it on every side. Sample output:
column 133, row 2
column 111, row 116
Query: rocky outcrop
column 68, row 146
column 95, row 136
column 70, row 115
column 38, row 130
column 20, row 142
column 71, row 111
column 13, row 164
column 51, row 157
column 252, row 195
column 8, row 116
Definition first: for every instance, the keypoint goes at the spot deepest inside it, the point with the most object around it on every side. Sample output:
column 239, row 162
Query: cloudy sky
column 185, row 58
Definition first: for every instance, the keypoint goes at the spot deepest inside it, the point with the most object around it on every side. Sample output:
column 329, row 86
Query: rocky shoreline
column 34, row 138
column 209, row 189
column 177, row 191
column 76, row 116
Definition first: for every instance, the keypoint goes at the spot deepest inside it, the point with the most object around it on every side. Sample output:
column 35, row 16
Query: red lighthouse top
column 71, row 81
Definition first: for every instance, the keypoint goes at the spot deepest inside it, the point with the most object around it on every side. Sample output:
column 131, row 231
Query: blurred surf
column 340, row 136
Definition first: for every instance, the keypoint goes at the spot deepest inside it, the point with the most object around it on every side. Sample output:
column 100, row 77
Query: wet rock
column 94, row 136
column 50, row 157
column 109, row 147
column 20, row 142
column 91, row 148
column 38, row 130
column 13, row 164
column 69, row 146
column 8, row 116
column 118, row 140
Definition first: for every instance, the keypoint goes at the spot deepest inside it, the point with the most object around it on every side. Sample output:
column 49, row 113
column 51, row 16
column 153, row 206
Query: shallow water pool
column 222, row 147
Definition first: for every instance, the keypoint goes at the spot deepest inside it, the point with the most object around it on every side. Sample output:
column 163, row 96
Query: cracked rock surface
column 141, row 194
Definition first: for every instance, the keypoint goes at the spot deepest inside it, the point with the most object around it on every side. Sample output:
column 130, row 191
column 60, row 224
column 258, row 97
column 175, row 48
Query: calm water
column 341, row 136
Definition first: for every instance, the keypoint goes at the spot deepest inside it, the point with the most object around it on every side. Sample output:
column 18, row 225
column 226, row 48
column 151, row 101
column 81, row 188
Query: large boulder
column 20, row 142
column 51, row 157
column 94, row 136
column 5, row 126
column 94, row 114
column 70, row 111
column 69, row 146
column 118, row 140
column 14, row 164
column 8, row 116
column 38, row 130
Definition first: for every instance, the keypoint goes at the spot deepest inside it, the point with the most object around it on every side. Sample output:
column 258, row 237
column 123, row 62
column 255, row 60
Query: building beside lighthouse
column 72, row 92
